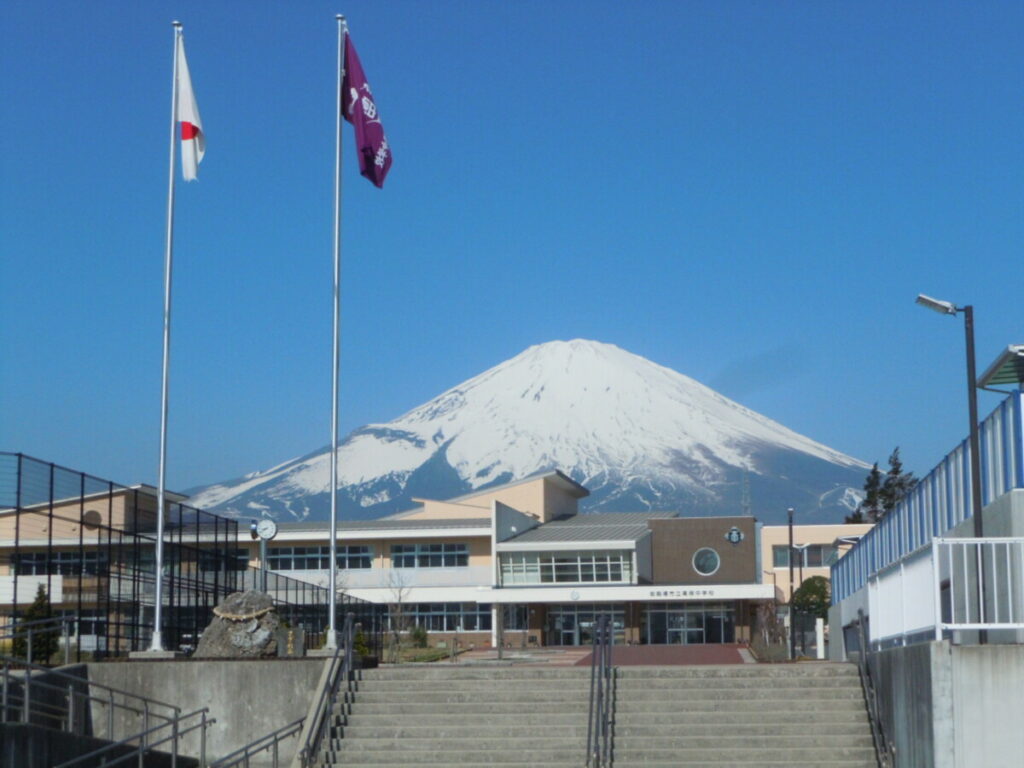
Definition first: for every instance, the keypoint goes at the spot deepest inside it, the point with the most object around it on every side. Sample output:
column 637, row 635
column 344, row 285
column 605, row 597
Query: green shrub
column 45, row 643
column 418, row 637
column 360, row 645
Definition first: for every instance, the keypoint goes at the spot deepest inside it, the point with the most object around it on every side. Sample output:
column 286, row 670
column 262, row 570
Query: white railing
column 949, row 587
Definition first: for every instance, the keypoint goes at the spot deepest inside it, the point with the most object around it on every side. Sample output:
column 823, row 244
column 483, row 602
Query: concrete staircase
column 435, row 715
column 514, row 717
column 742, row 715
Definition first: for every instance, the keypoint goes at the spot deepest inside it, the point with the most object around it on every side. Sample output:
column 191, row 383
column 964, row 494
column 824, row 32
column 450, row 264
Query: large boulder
column 244, row 626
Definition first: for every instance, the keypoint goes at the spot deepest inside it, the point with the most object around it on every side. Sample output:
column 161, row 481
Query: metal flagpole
column 157, row 642
column 332, row 636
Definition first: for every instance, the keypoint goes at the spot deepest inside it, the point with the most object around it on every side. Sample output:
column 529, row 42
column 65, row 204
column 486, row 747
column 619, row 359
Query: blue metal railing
column 941, row 500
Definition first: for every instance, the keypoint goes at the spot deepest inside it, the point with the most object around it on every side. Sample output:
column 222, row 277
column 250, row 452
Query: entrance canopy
column 638, row 593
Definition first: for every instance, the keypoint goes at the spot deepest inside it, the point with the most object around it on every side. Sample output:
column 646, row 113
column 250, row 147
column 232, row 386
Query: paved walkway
column 672, row 655
column 622, row 655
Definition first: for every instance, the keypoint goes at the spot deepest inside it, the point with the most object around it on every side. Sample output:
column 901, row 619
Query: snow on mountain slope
column 634, row 432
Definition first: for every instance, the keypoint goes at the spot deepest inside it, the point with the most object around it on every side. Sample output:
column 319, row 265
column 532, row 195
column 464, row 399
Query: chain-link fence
column 79, row 546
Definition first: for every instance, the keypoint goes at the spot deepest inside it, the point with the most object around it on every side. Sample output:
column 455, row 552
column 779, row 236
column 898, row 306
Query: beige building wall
column 778, row 535
column 446, row 510
column 544, row 498
column 124, row 509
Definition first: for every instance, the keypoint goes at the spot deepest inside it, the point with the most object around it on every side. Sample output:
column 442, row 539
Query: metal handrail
column 145, row 745
column 263, row 743
column 14, row 625
column 599, row 719
column 15, row 628
column 78, row 696
column 340, row 669
column 885, row 750
column 9, row 661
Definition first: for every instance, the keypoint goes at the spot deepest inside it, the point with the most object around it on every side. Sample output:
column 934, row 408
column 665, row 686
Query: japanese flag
column 193, row 142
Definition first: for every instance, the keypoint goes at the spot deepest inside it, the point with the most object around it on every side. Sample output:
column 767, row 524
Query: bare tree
column 398, row 620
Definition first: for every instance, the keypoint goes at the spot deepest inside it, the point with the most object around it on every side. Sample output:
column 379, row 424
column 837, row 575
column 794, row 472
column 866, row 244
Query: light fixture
column 943, row 307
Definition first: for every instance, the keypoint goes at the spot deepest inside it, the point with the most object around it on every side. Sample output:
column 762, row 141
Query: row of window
column 317, row 558
column 60, row 563
column 354, row 557
column 610, row 566
column 429, row 555
column 810, row 556
column 441, row 617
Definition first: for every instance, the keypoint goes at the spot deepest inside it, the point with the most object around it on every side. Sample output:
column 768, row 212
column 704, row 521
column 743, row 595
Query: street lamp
column 949, row 308
column 792, row 618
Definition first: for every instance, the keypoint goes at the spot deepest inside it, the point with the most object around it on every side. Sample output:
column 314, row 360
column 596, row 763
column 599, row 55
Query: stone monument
column 244, row 626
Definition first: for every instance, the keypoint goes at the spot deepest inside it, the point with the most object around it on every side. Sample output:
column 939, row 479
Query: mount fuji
column 638, row 435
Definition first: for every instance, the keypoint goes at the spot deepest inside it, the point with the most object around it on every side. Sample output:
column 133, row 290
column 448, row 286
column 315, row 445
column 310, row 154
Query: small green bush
column 418, row 637
column 360, row 645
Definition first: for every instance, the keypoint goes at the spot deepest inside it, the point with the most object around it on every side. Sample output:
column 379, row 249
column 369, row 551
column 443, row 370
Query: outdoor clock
column 266, row 529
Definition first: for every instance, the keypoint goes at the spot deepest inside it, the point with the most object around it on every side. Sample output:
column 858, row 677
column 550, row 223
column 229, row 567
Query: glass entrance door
column 689, row 624
column 574, row 624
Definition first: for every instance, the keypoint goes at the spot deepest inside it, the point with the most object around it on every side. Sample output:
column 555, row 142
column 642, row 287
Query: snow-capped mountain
column 637, row 434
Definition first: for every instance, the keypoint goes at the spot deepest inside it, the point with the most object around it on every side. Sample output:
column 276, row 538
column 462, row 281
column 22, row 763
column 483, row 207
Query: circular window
column 706, row 561
column 92, row 519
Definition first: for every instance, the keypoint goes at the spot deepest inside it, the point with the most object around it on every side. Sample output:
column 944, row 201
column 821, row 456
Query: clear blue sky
column 750, row 193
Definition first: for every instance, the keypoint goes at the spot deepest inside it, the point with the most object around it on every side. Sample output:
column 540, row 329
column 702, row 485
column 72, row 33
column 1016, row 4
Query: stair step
column 468, row 708
column 633, row 744
column 759, row 693
column 443, row 671
column 683, row 717
column 815, row 669
column 472, row 720
column 742, row 706
column 738, row 683
column 510, row 753
column 455, row 695
column 707, row 763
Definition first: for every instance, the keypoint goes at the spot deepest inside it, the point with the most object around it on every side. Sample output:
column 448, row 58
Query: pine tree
column 45, row 642
column 897, row 483
column 882, row 496
column 870, row 509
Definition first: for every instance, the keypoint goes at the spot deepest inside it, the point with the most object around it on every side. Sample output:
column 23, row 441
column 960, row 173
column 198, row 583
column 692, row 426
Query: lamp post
column 792, row 618
column 949, row 308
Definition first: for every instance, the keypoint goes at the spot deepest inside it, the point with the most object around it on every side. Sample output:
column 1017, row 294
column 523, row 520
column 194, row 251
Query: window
column 516, row 617
column 221, row 560
column 91, row 621
column 443, row 617
column 610, row 566
column 810, row 556
column 67, row 563
column 706, row 561
column 429, row 555
column 780, row 556
column 350, row 557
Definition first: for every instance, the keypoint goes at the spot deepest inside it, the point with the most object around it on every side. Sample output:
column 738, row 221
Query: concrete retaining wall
column 247, row 698
column 949, row 706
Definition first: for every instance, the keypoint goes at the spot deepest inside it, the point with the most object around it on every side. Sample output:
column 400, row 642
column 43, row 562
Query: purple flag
column 359, row 109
